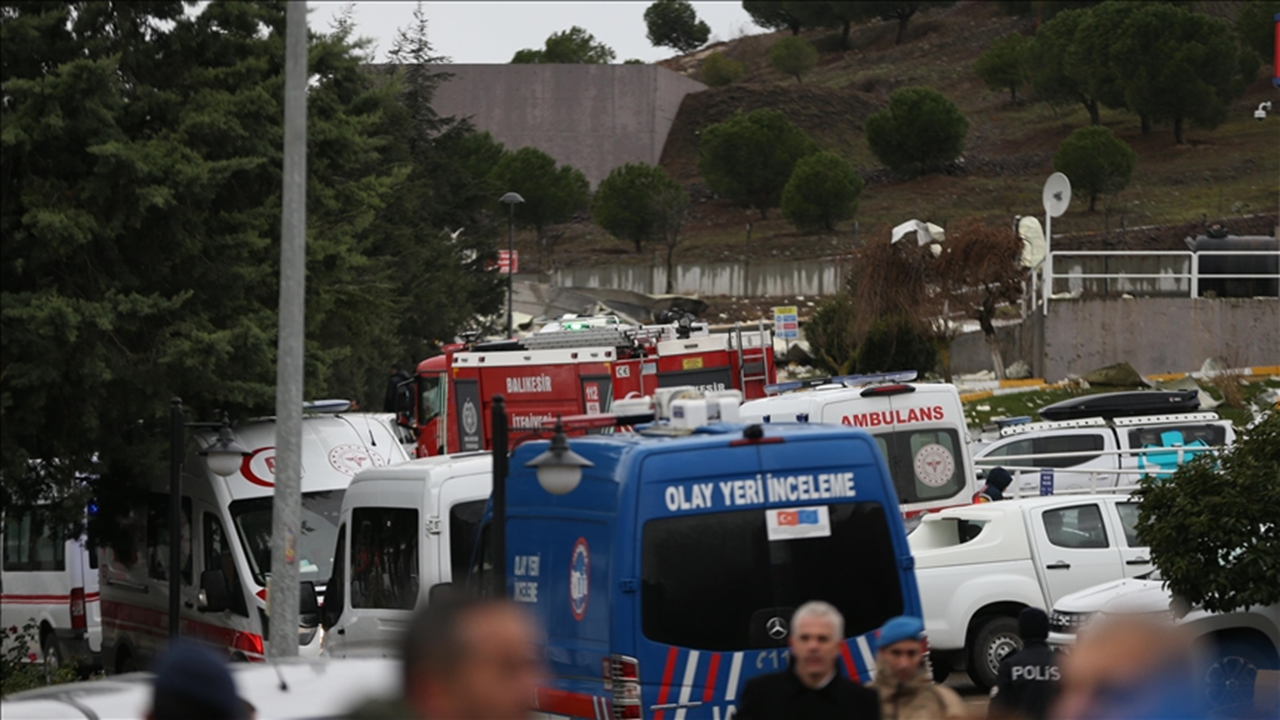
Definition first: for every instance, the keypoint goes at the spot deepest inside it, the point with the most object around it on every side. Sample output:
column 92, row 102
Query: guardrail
column 1187, row 276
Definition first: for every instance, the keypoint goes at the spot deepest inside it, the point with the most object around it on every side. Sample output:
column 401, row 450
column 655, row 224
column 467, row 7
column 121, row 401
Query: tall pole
column 511, row 261
column 498, row 430
column 286, row 518
column 177, row 429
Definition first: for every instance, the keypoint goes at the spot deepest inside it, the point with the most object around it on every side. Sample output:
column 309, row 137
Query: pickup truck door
column 1136, row 556
column 1074, row 548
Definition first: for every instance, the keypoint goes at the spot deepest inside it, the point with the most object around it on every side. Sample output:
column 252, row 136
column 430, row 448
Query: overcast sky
column 491, row 32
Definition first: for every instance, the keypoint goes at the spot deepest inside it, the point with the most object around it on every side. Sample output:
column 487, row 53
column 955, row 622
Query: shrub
column 719, row 70
column 749, row 157
column 1003, row 66
column 1096, row 161
column 920, row 131
column 793, row 56
column 822, row 191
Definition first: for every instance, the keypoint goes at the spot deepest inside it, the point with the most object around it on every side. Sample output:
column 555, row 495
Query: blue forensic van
column 668, row 577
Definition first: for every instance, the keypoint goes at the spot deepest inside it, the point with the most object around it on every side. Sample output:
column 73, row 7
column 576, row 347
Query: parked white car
column 978, row 566
column 293, row 688
column 1237, row 644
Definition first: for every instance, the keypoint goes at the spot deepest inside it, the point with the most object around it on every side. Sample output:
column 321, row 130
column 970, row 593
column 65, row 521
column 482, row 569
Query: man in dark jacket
column 998, row 480
column 394, row 392
column 812, row 687
column 1027, row 682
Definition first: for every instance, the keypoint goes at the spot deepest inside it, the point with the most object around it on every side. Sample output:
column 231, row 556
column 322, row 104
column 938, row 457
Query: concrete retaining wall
column 593, row 117
column 764, row 279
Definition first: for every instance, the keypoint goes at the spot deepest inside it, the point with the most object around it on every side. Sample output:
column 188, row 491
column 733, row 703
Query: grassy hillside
column 1228, row 171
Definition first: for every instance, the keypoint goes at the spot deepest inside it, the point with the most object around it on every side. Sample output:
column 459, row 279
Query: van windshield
column 713, row 581
column 320, row 511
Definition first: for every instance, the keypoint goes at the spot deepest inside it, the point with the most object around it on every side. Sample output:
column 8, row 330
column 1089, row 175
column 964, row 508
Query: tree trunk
column 1146, row 123
column 798, row 79
column 671, row 271
column 902, row 27
column 1092, row 106
column 996, row 361
column 795, row 28
column 1013, row 94
column 1177, row 129
column 1093, row 201
column 944, row 358
column 638, row 248
column 844, row 35
column 764, row 214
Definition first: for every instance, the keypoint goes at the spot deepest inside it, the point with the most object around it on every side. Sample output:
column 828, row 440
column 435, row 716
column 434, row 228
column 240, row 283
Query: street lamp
column 223, row 458
column 510, row 199
column 559, row 472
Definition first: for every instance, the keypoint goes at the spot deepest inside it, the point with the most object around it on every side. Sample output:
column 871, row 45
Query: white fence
column 740, row 279
column 1159, row 273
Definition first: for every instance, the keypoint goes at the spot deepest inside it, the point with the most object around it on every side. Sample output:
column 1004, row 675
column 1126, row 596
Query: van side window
column 464, row 521
column 1017, row 447
column 1076, row 527
column 32, row 543
column 1051, row 444
column 217, row 556
column 384, row 558
column 158, row 537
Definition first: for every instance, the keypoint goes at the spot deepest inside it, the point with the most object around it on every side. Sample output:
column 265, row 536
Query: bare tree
column 670, row 205
column 978, row 270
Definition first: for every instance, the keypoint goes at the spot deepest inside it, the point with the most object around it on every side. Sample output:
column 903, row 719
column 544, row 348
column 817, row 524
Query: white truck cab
column 919, row 427
column 226, row 540
column 1095, row 453
column 402, row 530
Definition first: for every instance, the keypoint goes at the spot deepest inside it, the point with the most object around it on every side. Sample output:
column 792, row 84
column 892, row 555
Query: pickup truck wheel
column 1229, row 679
column 993, row 641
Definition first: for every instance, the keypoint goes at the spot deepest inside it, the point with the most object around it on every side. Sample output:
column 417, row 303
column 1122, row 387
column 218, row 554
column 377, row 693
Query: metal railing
column 1182, row 452
column 1184, row 270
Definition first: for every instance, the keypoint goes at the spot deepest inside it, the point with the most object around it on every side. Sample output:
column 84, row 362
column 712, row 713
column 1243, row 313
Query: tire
column 941, row 664
column 50, row 651
column 1230, row 676
column 125, row 663
column 995, row 638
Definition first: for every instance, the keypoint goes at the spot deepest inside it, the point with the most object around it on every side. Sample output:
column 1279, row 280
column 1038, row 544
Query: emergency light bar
column 897, row 376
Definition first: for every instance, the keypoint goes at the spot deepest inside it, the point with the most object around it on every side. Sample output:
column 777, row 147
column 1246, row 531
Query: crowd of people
column 482, row 658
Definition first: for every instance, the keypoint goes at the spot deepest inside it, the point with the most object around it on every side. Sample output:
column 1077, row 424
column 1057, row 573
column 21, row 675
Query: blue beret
column 903, row 627
column 196, row 676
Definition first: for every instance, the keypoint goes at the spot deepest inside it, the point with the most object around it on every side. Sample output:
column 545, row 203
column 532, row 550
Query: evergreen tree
column 823, row 190
column 675, row 24
column 1003, row 66
column 749, row 157
column 574, row 46
column 920, row 131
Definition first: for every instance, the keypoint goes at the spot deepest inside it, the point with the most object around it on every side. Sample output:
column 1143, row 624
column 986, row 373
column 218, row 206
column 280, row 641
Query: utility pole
column 286, row 516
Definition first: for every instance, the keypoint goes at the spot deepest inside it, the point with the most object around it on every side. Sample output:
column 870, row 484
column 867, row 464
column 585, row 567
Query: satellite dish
column 1057, row 194
column 1032, row 241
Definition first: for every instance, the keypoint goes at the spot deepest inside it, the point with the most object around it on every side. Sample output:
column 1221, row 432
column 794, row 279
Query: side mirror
column 308, row 605
column 980, row 474
column 441, row 591
column 214, row 595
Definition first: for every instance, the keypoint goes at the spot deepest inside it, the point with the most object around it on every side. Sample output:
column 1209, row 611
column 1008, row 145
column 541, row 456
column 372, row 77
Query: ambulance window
column 32, row 543
column 384, row 558
column 158, row 537
column 464, row 521
column 927, row 465
column 704, row 578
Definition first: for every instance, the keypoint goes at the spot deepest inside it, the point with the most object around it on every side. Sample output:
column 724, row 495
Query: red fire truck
column 573, row 367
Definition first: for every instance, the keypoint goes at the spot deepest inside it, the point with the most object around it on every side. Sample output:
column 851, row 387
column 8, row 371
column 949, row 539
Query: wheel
column 940, row 664
column 125, row 663
column 50, row 650
column 995, row 639
column 1230, row 677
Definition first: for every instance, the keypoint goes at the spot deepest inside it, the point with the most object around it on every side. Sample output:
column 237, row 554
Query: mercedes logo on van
column 776, row 627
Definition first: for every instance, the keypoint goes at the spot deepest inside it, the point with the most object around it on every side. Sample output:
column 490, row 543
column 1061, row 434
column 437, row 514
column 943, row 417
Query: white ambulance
column 403, row 529
column 226, row 541
column 51, row 581
column 920, row 428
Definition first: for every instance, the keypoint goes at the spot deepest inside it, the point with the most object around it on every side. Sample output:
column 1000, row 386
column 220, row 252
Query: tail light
column 77, row 609
column 624, row 677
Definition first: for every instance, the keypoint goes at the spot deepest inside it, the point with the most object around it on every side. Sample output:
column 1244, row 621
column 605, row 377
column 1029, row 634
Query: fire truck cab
column 576, row 366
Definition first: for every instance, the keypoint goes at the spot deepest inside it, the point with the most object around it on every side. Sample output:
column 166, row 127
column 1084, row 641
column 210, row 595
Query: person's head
column 817, row 629
column 1033, row 625
column 395, row 368
column 1000, row 478
column 193, row 683
column 471, row 658
column 900, row 646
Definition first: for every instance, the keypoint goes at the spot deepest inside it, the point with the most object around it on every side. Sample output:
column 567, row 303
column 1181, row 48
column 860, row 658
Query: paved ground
column 973, row 697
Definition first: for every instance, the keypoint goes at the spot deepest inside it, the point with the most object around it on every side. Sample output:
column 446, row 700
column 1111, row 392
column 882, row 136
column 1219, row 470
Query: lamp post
column 559, row 471
column 511, row 199
column 223, row 458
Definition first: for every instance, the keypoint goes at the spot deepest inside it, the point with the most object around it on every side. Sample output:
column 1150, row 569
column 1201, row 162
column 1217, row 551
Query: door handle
column 342, row 631
column 189, row 605
column 1138, row 561
column 1060, row 565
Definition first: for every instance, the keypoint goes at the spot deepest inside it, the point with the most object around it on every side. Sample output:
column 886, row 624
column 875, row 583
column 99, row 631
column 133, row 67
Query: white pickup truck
column 978, row 566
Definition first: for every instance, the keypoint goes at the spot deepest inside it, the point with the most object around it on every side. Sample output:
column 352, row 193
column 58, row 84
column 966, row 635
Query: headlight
column 1068, row 623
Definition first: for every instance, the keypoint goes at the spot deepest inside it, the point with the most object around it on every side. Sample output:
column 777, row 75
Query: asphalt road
column 973, row 697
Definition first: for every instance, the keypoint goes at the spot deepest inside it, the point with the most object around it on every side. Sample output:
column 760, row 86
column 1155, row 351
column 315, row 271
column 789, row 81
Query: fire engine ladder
column 609, row 337
column 753, row 365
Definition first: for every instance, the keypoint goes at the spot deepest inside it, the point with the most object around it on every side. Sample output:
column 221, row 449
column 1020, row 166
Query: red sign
column 508, row 262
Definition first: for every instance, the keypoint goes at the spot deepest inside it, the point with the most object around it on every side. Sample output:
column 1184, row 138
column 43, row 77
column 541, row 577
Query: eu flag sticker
column 795, row 523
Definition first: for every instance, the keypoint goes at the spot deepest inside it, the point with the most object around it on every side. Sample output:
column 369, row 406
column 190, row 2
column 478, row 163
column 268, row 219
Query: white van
column 403, row 529
column 51, row 581
column 920, row 428
column 1093, row 453
column 226, row 541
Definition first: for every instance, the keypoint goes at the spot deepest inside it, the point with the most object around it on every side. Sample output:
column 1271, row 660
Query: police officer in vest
column 1027, row 683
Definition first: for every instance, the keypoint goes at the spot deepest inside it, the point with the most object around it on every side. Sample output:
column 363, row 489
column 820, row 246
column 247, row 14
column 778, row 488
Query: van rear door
column 730, row 545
